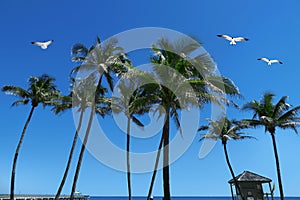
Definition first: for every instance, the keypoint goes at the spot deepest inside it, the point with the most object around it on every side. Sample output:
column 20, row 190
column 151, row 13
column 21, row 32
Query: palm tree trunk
column 278, row 167
column 155, row 168
column 166, row 172
column 128, row 158
column 70, row 157
column 231, row 170
column 86, row 137
column 87, row 133
column 13, row 173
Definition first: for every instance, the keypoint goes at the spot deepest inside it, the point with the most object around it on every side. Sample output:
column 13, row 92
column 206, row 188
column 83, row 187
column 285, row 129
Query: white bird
column 232, row 39
column 43, row 45
column 270, row 61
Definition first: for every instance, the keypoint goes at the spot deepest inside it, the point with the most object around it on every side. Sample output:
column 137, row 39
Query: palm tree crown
column 270, row 115
column 41, row 91
column 224, row 129
column 102, row 58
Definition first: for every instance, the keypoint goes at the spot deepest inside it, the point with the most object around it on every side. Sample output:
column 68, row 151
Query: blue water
column 180, row 198
column 160, row 198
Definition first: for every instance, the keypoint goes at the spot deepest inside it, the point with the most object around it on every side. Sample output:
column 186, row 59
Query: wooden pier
column 42, row 197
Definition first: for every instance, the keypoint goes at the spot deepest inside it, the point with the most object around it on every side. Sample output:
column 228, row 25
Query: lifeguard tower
column 251, row 186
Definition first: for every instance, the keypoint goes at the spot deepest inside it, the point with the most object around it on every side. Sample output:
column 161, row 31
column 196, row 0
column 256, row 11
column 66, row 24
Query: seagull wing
column 264, row 59
column 48, row 42
column 225, row 37
column 240, row 39
column 276, row 61
column 37, row 43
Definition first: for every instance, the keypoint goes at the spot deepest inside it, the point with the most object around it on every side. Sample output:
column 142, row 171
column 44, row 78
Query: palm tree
column 80, row 97
column 41, row 91
column 224, row 130
column 131, row 104
column 176, row 56
column 101, row 59
column 271, row 116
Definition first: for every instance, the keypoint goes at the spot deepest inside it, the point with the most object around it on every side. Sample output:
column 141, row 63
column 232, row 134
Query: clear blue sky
column 273, row 28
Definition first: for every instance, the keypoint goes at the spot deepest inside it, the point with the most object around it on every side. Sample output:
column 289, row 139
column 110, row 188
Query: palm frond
column 17, row 91
column 79, row 48
column 62, row 104
column 240, row 136
column 289, row 114
column 203, row 128
column 78, row 58
column 185, row 45
column 267, row 98
column 222, row 85
column 204, row 64
column 252, row 122
column 137, row 121
column 253, row 106
column 209, row 136
column 75, row 70
column 225, row 129
column 288, row 125
column 98, row 40
column 20, row 102
column 280, row 107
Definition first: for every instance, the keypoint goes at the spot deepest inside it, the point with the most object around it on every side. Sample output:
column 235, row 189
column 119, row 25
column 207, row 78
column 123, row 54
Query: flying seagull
column 270, row 61
column 232, row 39
column 43, row 45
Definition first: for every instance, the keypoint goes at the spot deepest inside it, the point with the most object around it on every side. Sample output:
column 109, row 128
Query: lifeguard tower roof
column 247, row 176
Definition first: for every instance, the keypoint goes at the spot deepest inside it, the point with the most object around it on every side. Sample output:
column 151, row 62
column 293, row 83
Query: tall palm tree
column 176, row 55
column 271, row 116
column 41, row 91
column 129, row 102
column 101, row 60
column 224, row 130
column 80, row 97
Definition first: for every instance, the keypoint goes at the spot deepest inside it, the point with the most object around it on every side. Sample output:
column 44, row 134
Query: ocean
column 180, row 198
